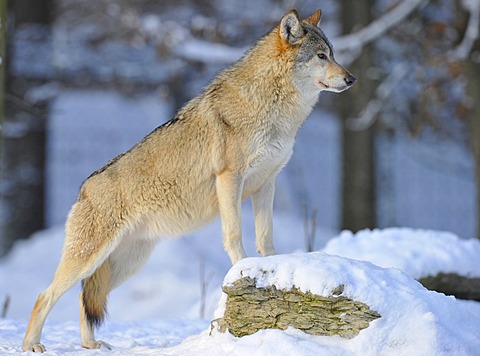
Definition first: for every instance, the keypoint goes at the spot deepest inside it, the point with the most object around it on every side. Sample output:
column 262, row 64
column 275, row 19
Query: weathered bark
column 358, row 175
column 250, row 309
column 453, row 284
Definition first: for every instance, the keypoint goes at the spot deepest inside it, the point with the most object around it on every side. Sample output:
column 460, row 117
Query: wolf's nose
column 350, row 80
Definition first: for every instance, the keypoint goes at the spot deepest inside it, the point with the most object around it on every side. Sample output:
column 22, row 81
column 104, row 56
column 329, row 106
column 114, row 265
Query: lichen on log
column 249, row 309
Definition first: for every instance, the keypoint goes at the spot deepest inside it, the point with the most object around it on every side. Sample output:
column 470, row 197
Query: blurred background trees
column 420, row 71
column 472, row 72
column 87, row 79
column 22, row 202
column 3, row 40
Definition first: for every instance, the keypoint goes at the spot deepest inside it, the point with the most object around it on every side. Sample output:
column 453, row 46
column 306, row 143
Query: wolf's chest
column 270, row 154
column 265, row 161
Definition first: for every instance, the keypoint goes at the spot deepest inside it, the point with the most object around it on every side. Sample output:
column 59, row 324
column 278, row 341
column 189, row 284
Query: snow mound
column 420, row 253
column 414, row 320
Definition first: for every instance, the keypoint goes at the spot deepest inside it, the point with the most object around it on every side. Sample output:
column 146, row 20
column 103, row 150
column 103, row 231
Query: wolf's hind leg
column 127, row 259
column 88, row 242
column 93, row 302
column 69, row 272
column 44, row 304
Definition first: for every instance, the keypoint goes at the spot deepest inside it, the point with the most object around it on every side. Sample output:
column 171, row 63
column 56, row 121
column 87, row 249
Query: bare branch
column 354, row 42
column 208, row 52
column 6, row 304
column 204, row 282
column 462, row 51
column 310, row 227
column 369, row 113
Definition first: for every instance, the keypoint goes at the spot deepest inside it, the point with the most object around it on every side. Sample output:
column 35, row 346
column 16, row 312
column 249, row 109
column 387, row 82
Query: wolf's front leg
column 229, row 194
column 262, row 202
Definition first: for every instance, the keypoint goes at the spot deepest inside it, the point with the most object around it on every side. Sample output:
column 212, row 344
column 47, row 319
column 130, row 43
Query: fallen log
column 249, row 309
column 453, row 284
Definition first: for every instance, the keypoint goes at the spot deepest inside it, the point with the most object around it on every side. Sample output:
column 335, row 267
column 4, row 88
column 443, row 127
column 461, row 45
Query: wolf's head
column 315, row 68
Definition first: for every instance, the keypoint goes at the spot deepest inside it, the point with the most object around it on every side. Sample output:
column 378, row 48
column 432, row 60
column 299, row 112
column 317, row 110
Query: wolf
column 225, row 145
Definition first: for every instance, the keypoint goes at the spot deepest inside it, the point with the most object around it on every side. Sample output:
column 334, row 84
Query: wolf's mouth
column 323, row 84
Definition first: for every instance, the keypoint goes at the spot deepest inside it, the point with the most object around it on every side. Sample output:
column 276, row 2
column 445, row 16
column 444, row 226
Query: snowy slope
column 419, row 253
column 414, row 321
column 157, row 311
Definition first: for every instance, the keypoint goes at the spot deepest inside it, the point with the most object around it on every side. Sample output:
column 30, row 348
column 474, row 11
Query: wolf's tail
column 95, row 292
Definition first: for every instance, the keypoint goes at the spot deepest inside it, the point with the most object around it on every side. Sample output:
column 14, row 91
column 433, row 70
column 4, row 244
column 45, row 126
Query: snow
column 157, row 311
column 414, row 321
column 420, row 253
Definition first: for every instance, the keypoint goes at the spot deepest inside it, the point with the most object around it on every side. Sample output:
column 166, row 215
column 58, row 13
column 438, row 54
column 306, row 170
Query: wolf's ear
column 314, row 19
column 291, row 29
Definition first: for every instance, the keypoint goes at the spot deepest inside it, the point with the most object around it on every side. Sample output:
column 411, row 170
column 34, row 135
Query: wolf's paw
column 266, row 250
column 95, row 344
column 34, row 347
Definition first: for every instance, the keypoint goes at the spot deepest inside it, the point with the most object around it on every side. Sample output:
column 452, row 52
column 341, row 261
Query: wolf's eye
column 322, row 56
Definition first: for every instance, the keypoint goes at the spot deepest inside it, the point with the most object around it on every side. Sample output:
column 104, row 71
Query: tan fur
column 224, row 146
column 95, row 290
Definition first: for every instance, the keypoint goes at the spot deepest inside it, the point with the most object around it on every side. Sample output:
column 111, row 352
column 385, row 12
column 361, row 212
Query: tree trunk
column 28, row 11
column 23, row 161
column 473, row 89
column 472, row 76
column 453, row 284
column 3, row 40
column 358, row 175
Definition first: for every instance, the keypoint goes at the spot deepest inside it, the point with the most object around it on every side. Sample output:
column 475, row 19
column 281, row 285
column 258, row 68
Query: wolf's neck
column 264, row 77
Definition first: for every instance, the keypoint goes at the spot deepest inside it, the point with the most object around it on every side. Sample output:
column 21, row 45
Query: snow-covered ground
column 158, row 311
column 420, row 253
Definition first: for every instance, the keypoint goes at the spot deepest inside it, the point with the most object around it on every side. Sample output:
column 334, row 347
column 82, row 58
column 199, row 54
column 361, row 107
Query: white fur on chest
column 265, row 161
